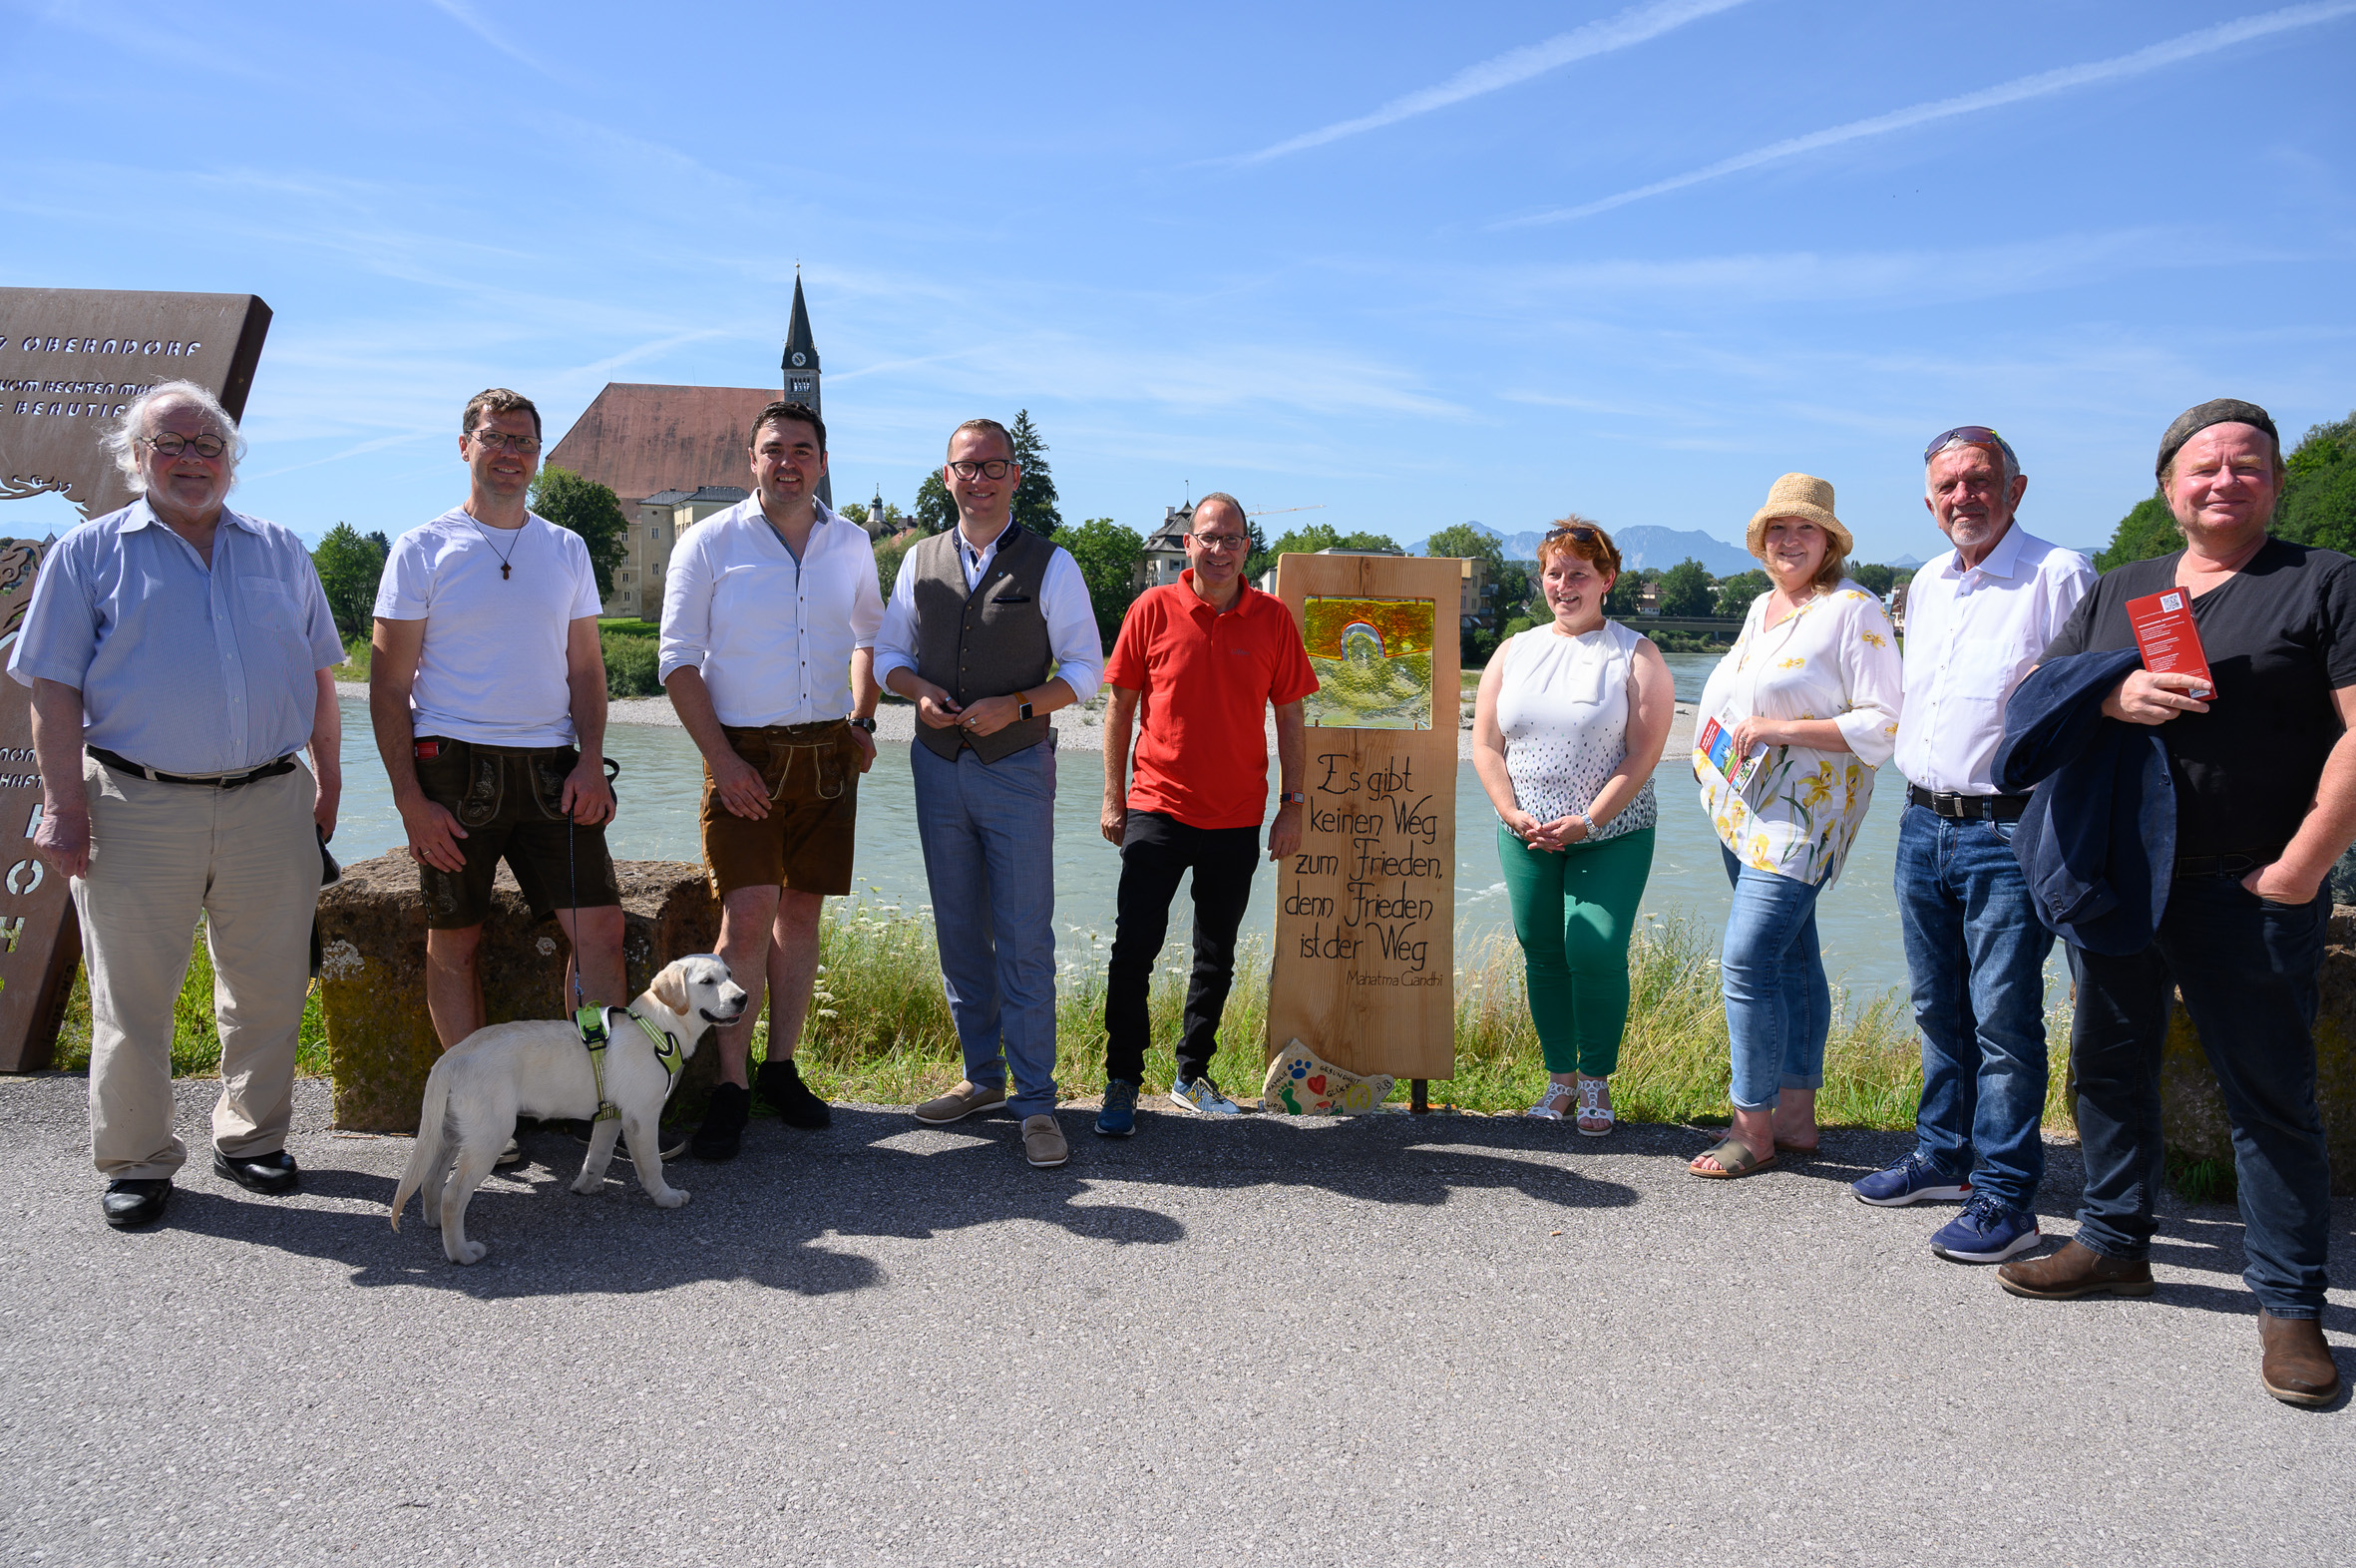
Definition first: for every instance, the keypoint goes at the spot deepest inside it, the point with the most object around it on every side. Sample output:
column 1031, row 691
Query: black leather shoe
column 273, row 1175
column 134, row 1201
column 722, row 1132
column 781, row 1085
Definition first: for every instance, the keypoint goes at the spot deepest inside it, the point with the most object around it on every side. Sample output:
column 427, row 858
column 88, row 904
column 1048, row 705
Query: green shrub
column 630, row 663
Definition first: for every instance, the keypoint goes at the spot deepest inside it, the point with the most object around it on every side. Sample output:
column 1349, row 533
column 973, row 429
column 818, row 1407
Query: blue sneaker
column 1201, row 1096
column 1118, row 1119
column 1909, row 1181
column 1987, row 1231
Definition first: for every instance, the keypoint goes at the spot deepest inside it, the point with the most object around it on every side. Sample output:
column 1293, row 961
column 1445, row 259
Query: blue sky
column 1414, row 264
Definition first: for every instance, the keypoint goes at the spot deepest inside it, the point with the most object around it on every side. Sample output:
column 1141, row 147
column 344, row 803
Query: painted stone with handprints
column 1372, row 658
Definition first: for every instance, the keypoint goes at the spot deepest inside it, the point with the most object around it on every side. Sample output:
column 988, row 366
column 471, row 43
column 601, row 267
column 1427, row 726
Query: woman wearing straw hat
column 1808, row 699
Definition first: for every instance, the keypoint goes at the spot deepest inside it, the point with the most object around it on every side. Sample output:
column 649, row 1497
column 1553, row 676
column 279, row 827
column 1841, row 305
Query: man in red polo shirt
column 1197, row 664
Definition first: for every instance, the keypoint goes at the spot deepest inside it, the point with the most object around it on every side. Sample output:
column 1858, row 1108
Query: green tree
column 589, row 509
column 1466, row 542
column 889, row 554
column 1306, row 540
column 1877, row 581
column 349, row 566
column 937, row 509
column 1035, row 497
column 1686, row 589
column 1108, row 555
column 1734, row 593
column 2148, row 530
column 2319, row 499
column 1624, row 600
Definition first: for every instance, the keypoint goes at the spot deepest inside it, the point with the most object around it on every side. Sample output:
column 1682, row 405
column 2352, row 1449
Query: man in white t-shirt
column 769, row 621
column 1978, row 619
column 487, row 689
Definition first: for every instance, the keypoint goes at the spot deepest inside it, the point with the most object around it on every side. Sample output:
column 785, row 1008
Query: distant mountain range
column 1646, row 546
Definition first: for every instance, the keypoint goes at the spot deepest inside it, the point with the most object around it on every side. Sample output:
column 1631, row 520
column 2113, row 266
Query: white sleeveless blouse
column 1562, row 707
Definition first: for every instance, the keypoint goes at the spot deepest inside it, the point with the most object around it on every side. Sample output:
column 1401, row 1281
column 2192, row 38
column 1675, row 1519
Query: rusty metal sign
column 71, row 360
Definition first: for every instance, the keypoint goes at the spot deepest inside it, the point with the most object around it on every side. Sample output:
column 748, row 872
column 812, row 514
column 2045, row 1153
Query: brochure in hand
column 2171, row 643
column 1716, row 743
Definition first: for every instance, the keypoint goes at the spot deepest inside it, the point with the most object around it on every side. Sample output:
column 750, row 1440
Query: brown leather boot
column 2074, row 1270
column 2298, row 1369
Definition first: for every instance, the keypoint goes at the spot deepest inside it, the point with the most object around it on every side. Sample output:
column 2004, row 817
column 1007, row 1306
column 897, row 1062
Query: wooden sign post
column 71, row 361
column 1366, row 952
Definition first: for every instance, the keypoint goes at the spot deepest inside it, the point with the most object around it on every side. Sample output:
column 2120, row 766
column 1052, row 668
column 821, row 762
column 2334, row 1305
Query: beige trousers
column 249, row 858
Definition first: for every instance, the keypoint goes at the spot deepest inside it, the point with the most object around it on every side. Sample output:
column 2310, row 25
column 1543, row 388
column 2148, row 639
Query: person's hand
column 867, row 747
column 2279, row 883
column 990, row 714
column 738, row 785
column 1519, row 823
column 1560, row 834
column 1284, row 834
column 433, row 835
column 2146, row 699
column 63, row 841
column 323, row 804
column 936, row 709
column 1755, row 733
column 1113, row 820
column 588, row 797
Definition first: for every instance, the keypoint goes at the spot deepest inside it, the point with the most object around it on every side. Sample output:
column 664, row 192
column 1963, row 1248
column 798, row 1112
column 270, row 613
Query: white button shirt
column 1972, row 636
column 1064, row 603
column 773, row 636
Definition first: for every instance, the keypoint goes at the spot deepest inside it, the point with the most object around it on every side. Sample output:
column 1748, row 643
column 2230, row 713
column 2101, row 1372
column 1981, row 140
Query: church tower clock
column 801, row 371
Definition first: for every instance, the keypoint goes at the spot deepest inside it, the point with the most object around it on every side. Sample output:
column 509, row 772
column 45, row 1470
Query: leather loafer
column 273, row 1175
column 2297, row 1367
column 2073, row 1271
column 134, row 1201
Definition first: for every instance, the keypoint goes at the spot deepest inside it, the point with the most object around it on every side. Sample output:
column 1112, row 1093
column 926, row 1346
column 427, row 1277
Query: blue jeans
column 989, row 836
column 2246, row 969
column 1777, row 1006
column 1975, row 951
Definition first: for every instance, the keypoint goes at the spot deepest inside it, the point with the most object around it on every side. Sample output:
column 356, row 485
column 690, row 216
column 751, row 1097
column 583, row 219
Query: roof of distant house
column 643, row 440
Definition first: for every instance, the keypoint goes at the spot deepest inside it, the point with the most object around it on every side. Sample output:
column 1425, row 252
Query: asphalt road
column 1392, row 1340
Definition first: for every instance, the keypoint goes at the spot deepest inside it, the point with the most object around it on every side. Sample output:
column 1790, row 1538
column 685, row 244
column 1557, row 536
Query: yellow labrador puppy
column 539, row 1067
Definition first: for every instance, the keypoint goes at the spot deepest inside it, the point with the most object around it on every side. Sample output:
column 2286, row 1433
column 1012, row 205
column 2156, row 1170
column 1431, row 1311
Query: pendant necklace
column 505, row 570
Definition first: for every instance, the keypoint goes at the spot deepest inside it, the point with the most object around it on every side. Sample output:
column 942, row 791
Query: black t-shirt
column 2280, row 637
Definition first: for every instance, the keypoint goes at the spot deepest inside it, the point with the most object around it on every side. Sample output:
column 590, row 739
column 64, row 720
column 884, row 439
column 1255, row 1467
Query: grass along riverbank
column 880, row 1031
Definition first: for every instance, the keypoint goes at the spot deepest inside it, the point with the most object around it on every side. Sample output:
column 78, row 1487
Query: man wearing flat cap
column 2265, row 781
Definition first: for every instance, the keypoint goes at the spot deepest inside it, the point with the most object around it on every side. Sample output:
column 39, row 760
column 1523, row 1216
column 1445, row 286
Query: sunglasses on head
column 1970, row 436
column 1578, row 532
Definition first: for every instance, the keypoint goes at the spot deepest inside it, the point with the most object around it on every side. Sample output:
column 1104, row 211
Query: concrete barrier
column 2192, row 1111
column 380, row 1041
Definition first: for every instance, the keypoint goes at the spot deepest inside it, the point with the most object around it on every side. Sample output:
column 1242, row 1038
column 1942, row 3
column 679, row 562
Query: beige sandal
column 1734, row 1159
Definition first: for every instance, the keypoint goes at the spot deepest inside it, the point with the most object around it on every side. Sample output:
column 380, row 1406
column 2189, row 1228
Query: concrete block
column 380, row 1040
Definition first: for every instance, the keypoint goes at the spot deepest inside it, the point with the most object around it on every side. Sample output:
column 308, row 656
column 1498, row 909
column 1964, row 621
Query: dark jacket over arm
column 2097, row 840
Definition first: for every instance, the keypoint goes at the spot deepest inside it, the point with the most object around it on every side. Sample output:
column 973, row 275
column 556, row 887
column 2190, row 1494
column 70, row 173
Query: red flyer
column 2171, row 643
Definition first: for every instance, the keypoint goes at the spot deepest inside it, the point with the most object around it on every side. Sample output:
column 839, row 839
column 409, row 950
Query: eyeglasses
column 522, row 446
column 1970, row 436
column 1221, row 541
column 1577, row 532
column 172, row 445
column 988, row 468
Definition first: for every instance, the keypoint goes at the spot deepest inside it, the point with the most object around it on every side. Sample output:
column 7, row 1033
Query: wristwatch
column 866, row 724
column 1292, row 798
column 1023, row 711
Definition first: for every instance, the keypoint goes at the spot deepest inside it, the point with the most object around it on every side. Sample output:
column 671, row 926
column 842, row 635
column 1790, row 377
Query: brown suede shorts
column 805, row 843
column 509, row 801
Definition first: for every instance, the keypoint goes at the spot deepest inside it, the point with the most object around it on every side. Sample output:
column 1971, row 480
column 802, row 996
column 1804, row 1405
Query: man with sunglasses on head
column 181, row 654
column 487, row 689
column 1978, row 619
column 978, row 618
column 1198, row 663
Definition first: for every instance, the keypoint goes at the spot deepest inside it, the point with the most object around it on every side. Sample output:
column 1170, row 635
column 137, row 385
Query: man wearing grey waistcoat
column 978, row 617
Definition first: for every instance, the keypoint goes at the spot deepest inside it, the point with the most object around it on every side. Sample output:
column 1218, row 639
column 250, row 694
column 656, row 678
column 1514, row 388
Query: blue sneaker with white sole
column 1987, row 1231
column 1199, row 1096
column 1909, row 1181
column 1118, row 1119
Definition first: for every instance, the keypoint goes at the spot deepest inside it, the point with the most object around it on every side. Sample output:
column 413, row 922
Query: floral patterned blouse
column 1835, row 658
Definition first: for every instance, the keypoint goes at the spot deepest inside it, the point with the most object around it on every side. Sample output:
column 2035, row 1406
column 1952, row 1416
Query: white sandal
column 1550, row 1104
column 1595, row 1107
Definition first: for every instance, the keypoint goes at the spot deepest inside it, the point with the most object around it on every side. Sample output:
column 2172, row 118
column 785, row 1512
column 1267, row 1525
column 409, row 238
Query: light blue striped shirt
column 182, row 668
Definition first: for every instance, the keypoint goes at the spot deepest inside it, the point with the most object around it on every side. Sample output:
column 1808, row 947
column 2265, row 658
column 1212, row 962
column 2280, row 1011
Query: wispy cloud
column 1633, row 25
column 465, row 17
column 2189, row 46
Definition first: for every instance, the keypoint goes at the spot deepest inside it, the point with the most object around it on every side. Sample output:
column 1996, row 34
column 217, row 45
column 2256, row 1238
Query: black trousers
column 1156, row 850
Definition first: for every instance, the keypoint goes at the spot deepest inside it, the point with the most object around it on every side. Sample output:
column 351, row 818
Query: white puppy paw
column 585, row 1185
column 669, row 1198
column 468, row 1251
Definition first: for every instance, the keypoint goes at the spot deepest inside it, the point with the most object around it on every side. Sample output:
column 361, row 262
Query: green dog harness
column 593, row 1023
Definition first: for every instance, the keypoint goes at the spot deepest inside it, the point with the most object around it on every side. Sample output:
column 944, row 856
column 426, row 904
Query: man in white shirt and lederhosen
column 1978, row 619
column 769, row 621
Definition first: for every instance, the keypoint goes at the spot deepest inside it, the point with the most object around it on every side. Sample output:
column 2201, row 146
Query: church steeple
column 800, row 365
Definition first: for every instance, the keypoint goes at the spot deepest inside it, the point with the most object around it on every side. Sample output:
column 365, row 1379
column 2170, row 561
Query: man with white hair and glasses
column 1978, row 619
column 179, row 655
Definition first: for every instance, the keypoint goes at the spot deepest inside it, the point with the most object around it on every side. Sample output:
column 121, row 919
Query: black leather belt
column 1970, row 808
column 2220, row 865
column 121, row 764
